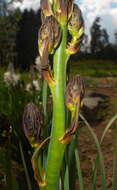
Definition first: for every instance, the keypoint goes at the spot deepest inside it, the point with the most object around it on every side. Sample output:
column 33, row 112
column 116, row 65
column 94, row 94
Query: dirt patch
column 87, row 147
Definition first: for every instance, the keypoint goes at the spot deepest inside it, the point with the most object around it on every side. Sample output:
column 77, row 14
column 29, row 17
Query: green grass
column 94, row 68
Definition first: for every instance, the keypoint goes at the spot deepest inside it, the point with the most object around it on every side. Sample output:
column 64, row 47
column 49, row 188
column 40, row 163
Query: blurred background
column 20, row 82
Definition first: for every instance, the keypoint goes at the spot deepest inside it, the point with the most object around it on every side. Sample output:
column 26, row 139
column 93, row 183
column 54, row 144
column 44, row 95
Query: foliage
column 9, row 25
column 99, row 37
column 94, row 68
column 26, row 41
column 12, row 102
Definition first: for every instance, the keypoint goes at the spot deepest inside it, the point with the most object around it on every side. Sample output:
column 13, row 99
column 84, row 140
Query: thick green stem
column 56, row 149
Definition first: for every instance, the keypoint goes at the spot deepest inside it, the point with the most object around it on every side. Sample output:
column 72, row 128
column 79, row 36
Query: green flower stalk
column 59, row 17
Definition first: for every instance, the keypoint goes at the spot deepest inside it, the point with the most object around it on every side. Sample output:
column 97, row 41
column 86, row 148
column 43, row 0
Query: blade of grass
column 94, row 178
column 101, row 159
column 81, row 186
column 25, row 167
column 44, row 97
column 72, row 162
column 107, row 127
column 66, row 179
column 10, row 178
column 114, row 177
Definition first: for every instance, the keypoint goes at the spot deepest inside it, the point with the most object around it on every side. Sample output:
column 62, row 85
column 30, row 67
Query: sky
column 106, row 9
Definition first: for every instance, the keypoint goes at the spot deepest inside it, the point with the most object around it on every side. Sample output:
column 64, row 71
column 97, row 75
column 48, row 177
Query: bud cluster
column 60, row 9
column 56, row 14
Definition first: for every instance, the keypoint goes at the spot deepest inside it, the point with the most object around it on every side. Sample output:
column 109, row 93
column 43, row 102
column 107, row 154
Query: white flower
column 36, row 84
column 11, row 78
column 28, row 87
column 38, row 63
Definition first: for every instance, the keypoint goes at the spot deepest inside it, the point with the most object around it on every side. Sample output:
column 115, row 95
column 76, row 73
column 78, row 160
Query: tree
column 99, row 37
column 27, row 46
column 8, row 30
column 115, row 34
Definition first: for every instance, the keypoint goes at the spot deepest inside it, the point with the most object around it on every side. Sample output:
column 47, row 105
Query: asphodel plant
column 61, row 34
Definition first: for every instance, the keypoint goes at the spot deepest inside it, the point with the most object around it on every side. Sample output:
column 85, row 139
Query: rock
column 94, row 107
column 92, row 102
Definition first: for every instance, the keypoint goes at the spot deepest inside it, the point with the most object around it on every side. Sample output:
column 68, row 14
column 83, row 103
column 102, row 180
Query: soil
column 87, row 147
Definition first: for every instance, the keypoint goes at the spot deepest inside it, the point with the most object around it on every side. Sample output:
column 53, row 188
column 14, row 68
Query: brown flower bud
column 74, row 46
column 49, row 35
column 32, row 123
column 62, row 10
column 76, row 22
column 74, row 90
column 46, row 6
column 74, row 95
column 76, row 29
column 49, row 38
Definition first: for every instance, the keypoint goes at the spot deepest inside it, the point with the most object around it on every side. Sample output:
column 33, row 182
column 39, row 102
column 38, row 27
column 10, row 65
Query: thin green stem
column 114, row 177
column 56, row 149
column 44, row 98
column 81, row 186
column 25, row 167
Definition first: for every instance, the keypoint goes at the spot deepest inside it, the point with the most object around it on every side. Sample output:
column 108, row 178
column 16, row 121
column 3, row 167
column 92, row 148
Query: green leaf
column 66, row 179
column 44, row 97
column 81, row 186
column 25, row 167
column 114, row 177
column 107, row 127
column 101, row 159
column 5, row 160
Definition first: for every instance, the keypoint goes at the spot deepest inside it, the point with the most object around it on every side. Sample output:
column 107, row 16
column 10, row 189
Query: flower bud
column 32, row 123
column 76, row 29
column 74, row 46
column 49, row 38
column 49, row 34
column 62, row 10
column 75, row 89
column 74, row 95
column 46, row 6
column 76, row 22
